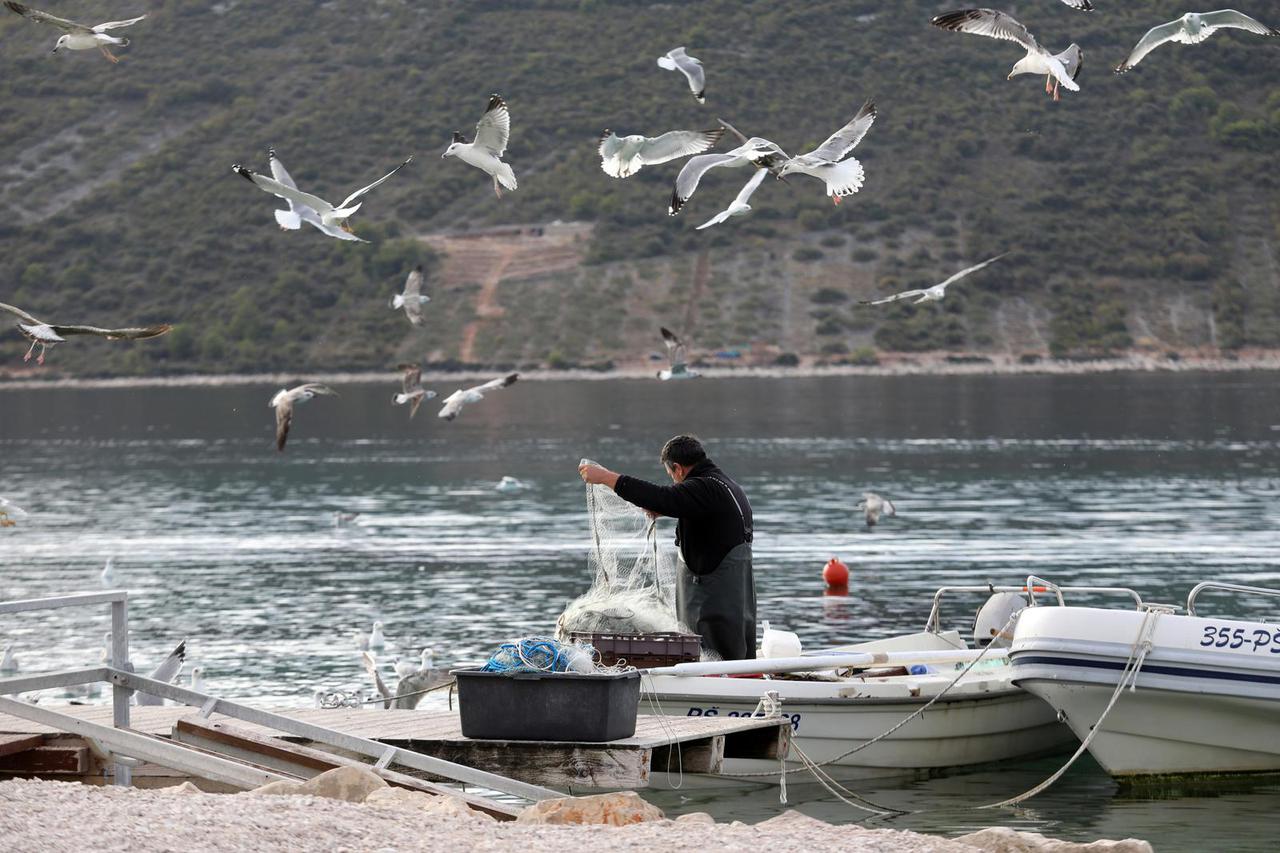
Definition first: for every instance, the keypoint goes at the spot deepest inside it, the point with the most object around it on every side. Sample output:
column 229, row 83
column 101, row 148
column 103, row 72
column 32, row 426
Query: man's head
column 680, row 454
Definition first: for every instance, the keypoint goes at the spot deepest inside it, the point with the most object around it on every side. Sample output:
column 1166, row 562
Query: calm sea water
column 1150, row 481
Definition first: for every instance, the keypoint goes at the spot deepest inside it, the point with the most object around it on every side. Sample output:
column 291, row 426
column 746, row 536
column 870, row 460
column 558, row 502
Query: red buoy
column 835, row 573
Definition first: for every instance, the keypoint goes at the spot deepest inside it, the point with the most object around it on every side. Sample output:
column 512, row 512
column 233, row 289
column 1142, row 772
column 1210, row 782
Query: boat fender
column 992, row 618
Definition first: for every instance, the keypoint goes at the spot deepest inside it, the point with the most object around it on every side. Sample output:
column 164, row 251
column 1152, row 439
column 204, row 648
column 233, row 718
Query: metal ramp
column 232, row 759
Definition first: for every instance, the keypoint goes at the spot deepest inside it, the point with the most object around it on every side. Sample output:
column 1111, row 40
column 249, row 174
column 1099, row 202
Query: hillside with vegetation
column 1141, row 212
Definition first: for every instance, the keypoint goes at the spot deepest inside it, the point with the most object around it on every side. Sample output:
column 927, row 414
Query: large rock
column 696, row 818
column 440, row 804
column 284, row 787
column 184, row 788
column 351, row 784
column 792, row 819
column 619, row 809
column 998, row 839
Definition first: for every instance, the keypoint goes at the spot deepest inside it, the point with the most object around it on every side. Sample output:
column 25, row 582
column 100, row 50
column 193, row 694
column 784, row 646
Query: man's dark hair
column 683, row 450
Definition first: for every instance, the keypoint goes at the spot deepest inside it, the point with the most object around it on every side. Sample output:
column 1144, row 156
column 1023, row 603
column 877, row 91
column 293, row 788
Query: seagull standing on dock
column 284, row 401
column 826, row 162
column 197, row 679
column 333, row 217
column 1193, row 28
column 935, row 293
column 873, row 506
column 623, row 156
column 691, row 68
column 413, row 298
column 485, row 152
column 411, row 390
column 1060, row 70
column 167, row 670
column 8, row 660
column 46, row 335
column 108, row 575
column 455, row 402
column 79, row 36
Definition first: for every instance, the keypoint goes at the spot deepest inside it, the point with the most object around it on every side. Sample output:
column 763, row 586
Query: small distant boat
column 1205, row 698
column 984, row 718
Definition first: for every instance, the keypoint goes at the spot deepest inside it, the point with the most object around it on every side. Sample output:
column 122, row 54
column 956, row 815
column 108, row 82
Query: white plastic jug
column 779, row 644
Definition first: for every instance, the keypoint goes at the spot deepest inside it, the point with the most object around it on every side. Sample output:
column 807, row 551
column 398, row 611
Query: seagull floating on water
column 412, row 391
column 508, row 484
column 756, row 151
column 455, row 402
column 485, row 152
column 342, row 519
column 413, row 298
column 1193, row 28
column 284, row 401
column 826, row 162
column 623, row 156
column 739, row 206
column 298, row 213
column 873, row 506
column 935, row 293
column 79, row 36
column 1060, row 70
column 676, row 350
column 691, row 68
column 46, row 335
column 330, row 216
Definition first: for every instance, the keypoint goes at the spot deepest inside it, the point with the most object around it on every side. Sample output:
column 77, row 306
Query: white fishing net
column 632, row 578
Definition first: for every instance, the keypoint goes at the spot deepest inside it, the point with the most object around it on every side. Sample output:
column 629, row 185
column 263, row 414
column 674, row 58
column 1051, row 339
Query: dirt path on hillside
column 485, row 305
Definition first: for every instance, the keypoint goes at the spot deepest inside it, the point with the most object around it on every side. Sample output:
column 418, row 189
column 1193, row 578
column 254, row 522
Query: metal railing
column 1033, row 586
column 1226, row 587
column 120, row 693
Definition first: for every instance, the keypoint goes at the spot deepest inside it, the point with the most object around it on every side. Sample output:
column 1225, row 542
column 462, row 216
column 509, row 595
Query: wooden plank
column 277, row 754
column 9, row 744
column 47, row 759
column 699, row 756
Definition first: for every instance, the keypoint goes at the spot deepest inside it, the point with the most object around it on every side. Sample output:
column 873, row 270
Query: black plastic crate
column 555, row 706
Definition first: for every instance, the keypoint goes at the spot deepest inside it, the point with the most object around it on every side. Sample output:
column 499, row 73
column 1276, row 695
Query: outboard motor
column 992, row 617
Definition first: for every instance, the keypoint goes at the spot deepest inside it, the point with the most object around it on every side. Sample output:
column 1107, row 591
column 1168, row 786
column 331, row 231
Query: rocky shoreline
column 924, row 365
column 353, row 809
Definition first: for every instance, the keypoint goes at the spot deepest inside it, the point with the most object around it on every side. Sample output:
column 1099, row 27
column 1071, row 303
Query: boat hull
column 1206, row 701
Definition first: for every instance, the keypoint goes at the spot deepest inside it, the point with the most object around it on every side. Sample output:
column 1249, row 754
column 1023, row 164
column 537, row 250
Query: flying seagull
column 292, row 219
column 772, row 163
column 166, row 671
column 756, row 151
column 284, row 401
column 935, row 293
column 826, row 162
column 78, row 36
column 623, row 156
column 739, row 206
column 1193, row 28
column 873, row 506
column 331, row 216
column 1060, row 70
column 454, row 403
column 1080, row 5
column 678, row 60
column 676, row 353
column 412, row 391
column 413, row 298
column 45, row 335
column 485, row 153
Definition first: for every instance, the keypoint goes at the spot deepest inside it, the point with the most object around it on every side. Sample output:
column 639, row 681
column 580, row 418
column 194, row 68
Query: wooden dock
column 693, row 744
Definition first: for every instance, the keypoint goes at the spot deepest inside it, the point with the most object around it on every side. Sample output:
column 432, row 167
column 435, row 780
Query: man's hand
column 594, row 475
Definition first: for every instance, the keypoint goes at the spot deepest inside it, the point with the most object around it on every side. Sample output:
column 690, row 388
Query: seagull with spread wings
column 623, row 156
column 678, row 60
column 334, row 217
column 739, row 206
column 827, row 162
column 298, row 213
column 45, row 335
column 1060, row 70
column 1080, row 5
column 935, row 293
column 413, row 298
column 167, row 670
column 455, row 402
column 677, row 355
column 411, row 390
column 756, row 151
column 285, row 400
column 873, row 506
column 1193, row 28
column 485, row 152
column 79, row 36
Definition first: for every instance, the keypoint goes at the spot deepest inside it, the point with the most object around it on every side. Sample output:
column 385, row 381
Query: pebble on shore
column 65, row 816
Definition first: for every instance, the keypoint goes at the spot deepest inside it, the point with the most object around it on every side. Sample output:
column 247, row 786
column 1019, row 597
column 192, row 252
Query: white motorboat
column 982, row 718
column 1205, row 697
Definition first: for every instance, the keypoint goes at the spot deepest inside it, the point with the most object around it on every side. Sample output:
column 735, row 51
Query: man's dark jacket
column 712, row 512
